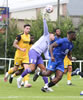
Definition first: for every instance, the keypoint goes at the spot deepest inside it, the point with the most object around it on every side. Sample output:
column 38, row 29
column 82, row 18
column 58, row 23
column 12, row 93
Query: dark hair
column 70, row 32
column 51, row 33
column 54, row 30
column 27, row 25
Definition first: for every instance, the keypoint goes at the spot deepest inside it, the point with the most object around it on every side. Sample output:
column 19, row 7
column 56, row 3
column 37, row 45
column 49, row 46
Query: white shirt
column 42, row 45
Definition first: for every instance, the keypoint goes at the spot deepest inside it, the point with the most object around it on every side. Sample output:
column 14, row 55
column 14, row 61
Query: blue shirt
column 64, row 46
column 56, row 38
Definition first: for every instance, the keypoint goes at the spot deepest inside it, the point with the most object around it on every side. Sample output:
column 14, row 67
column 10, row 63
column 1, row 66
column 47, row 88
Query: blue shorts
column 34, row 57
column 57, row 65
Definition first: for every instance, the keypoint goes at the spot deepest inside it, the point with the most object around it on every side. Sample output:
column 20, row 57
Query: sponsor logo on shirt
column 16, row 63
column 26, row 42
column 51, row 66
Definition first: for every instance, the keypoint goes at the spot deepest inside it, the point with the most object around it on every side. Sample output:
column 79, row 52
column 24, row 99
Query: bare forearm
column 53, row 45
column 16, row 46
column 51, row 50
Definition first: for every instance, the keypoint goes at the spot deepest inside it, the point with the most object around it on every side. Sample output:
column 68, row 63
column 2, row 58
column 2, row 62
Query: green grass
column 61, row 90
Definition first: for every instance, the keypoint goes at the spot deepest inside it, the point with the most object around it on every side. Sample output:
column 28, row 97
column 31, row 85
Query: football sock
column 69, row 76
column 50, row 84
column 26, row 78
column 45, row 79
column 26, row 72
column 13, row 75
column 10, row 71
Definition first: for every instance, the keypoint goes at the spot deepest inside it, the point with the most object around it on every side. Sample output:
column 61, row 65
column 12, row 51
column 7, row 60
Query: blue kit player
column 61, row 47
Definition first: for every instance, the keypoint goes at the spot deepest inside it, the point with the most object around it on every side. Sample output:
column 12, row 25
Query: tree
column 65, row 25
column 79, row 42
column 12, row 33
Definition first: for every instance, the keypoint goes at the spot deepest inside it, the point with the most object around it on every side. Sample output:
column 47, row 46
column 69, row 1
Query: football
column 49, row 8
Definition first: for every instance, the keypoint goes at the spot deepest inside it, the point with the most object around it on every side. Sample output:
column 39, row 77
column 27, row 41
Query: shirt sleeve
column 45, row 27
column 18, row 37
column 52, row 41
column 71, row 47
column 60, row 41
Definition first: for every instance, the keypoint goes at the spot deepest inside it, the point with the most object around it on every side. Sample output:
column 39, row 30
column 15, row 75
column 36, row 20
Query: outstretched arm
column 45, row 27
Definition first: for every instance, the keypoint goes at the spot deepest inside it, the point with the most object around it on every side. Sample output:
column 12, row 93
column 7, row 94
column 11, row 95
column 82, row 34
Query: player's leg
column 32, row 60
column 45, row 78
column 41, row 66
column 75, row 72
column 20, row 70
column 65, row 70
column 43, row 70
column 68, row 69
column 46, row 88
column 54, row 81
column 15, row 68
column 23, row 81
column 26, row 79
column 50, row 69
column 69, row 72
column 80, row 73
column 58, row 77
column 69, row 75
column 8, row 73
column 29, row 68
column 44, row 73
column 58, row 68
column 25, row 64
column 17, row 62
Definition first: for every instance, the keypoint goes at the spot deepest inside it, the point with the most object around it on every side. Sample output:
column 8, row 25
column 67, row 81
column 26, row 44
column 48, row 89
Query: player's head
column 57, row 32
column 52, row 37
column 71, row 35
column 27, row 28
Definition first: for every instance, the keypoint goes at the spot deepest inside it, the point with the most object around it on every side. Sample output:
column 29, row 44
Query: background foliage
column 37, row 30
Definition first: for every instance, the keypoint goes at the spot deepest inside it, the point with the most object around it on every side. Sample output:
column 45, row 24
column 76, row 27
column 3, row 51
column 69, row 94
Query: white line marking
column 43, row 97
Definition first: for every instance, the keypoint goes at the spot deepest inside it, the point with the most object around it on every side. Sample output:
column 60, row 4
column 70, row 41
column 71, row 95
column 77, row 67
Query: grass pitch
column 61, row 91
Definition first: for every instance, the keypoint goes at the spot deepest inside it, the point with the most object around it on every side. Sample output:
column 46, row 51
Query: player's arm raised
column 51, row 50
column 45, row 27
